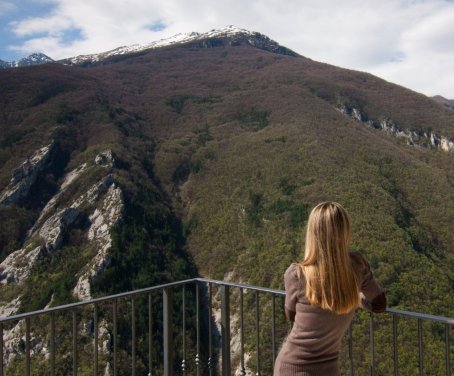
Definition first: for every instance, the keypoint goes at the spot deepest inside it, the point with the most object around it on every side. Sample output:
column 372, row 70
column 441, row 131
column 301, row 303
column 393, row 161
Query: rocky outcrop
column 17, row 265
column 105, row 159
column 102, row 220
column 10, row 308
column 420, row 138
column 24, row 176
column 54, row 228
column 93, row 193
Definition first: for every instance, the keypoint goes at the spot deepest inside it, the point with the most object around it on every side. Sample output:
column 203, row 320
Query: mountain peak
column 252, row 38
column 33, row 59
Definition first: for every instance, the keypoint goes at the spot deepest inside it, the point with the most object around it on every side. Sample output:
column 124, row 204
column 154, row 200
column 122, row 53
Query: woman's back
column 317, row 333
column 322, row 293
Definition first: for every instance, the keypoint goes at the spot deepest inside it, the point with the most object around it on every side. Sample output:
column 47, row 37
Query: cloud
column 398, row 39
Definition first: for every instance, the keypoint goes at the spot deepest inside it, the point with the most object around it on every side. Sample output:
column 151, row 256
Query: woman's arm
column 373, row 297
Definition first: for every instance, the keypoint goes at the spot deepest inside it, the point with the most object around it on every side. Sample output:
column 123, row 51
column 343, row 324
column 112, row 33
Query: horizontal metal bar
column 92, row 301
column 416, row 315
column 241, row 285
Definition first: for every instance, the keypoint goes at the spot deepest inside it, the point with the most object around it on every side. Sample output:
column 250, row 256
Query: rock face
column 105, row 159
column 423, row 139
column 55, row 227
column 102, row 220
column 17, row 265
column 25, row 175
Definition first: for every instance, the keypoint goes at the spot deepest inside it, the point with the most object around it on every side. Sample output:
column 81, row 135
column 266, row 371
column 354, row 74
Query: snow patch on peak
column 227, row 31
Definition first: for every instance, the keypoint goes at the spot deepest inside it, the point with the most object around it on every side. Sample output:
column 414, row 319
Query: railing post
column 95, row 340
column 27, row 346
column 1, row 349
column 52, row 344
column 167, row 296
column 225, row 330
column 447, row 352
column 150, row 336
column 183, row 362
column 74, row 342
column 372, row 345
column 395, row 350
column 350, row 349
column 210, row 344
column 421, row 348
column 242, row 370
column 133, row 336
column 197, row 310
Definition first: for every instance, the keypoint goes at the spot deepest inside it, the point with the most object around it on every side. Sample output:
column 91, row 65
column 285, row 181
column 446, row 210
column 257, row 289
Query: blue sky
column 409, row 42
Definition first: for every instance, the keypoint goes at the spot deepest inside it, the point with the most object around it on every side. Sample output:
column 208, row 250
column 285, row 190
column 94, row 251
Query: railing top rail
column 242, row 285
column 94, row 301
column 415, row 315
column 423, row 316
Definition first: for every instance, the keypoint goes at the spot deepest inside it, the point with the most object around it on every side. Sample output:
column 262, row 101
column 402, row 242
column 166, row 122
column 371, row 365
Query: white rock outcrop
column 69, row 178
column 55, row 227
column 24, row 176
column 17, row 265
column 412, row 138
column 10, row 308
column 102, row 220
column 105, row 159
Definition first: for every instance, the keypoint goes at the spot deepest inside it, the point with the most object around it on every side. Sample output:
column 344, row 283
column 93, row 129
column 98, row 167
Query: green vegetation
column 240, row 162
column 253, row 119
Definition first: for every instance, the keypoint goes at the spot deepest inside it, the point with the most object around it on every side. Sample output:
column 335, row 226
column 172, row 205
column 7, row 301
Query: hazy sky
column 409, row 42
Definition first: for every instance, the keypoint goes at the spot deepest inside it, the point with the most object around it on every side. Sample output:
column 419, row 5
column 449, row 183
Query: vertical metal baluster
column 95, row 344
column 150, row 336
column 421, row 350
column 52, row 344
column 197, row 302
column 273, row 328
column 210, row 344
column 1, row 349
column 167, row 302
column 114, row 313
column 183, row 362
column 27, row 346
column 225, row 330
column 242, row 369
column 74, row 343
column 396, row 353
column 372, row 344
column 133, row 334
column 447, row 352
column 257, row 331
column 350, row 348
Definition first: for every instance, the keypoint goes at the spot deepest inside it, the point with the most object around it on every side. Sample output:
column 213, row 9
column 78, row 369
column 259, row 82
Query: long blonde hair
column 330, row 279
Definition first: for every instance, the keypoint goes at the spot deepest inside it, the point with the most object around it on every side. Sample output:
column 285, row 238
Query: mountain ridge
column 233, row 33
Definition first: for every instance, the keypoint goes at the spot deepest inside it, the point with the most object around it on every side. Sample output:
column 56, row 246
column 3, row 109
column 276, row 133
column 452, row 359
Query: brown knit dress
column 312, row 347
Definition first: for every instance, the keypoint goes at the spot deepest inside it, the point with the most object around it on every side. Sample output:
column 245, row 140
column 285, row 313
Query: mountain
column 204, row 158
column 216, row 37
column 33, row 59
column 449, row 103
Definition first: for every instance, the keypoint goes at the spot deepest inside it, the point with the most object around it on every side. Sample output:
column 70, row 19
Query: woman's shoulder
column 293, row 272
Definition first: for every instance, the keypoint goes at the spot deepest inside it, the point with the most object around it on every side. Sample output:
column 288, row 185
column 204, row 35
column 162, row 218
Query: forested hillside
column 219, row 152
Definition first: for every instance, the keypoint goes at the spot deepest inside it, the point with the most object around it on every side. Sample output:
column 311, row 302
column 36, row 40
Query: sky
column 408, row 42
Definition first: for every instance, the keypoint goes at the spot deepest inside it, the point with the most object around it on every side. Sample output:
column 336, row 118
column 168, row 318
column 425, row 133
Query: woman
column 322, row 293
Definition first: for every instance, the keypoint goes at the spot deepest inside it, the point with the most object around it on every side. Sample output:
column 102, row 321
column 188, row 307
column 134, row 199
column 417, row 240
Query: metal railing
column 259, row 345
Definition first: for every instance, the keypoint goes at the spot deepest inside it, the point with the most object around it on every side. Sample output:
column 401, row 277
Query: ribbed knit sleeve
column 292, row 288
